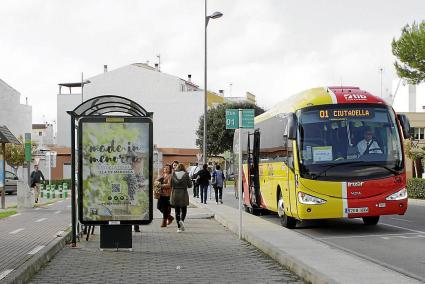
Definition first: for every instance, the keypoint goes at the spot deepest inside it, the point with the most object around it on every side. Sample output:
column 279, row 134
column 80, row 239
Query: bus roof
column 321, row 96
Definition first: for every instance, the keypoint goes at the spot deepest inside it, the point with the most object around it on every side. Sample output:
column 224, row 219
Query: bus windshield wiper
column 315, row 176
column 393, row 171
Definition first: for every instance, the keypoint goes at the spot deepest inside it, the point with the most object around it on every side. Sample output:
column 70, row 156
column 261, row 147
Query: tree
column 413, row 153
column 220, row 139
column 410, row 52
column 15, row 154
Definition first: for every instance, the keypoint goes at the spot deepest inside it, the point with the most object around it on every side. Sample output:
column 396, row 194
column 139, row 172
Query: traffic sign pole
column 240, row 174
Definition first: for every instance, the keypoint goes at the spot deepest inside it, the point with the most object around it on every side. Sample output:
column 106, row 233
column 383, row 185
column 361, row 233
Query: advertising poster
column 115, row 170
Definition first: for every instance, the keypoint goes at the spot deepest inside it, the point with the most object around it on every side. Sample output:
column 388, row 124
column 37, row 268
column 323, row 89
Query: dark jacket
column 204, row 177
column 36, row 177
column 180, row 181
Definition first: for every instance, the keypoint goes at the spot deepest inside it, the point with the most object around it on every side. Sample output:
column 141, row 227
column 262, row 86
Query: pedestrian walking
column 204, row 182
column 194, row 176
column 218, row 182
column 179, row 199
column 163, row 204
column 36, row 177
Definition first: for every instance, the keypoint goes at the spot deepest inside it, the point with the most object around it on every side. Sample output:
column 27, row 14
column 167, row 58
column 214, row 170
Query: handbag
column 156, row 189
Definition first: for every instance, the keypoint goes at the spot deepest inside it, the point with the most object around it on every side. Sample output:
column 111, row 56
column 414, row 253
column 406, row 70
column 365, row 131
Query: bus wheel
column 373, row 220
column 286, row 221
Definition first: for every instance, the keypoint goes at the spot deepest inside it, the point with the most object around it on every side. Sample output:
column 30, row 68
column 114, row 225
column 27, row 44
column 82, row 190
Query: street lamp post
column 215, row 15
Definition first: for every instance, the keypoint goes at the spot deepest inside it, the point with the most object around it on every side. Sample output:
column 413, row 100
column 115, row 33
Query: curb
column 32, row 265
column 305, row 272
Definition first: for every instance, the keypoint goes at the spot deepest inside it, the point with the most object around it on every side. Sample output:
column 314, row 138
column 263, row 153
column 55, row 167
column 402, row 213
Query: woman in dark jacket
column 180, row 181
column 204, row 182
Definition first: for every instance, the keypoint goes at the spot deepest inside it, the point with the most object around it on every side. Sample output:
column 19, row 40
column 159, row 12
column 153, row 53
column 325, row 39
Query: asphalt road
column 397, row 242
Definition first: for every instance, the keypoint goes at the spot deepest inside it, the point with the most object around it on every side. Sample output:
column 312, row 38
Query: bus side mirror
column 292, row 126
column 405, row 125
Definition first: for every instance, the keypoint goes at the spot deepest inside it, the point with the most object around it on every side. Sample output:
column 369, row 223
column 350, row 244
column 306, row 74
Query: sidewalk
column 30, row 234
column 312, row 260
column 205, row 253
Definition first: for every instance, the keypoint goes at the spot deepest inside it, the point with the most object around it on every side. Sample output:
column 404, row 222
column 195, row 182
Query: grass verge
column 6, row 214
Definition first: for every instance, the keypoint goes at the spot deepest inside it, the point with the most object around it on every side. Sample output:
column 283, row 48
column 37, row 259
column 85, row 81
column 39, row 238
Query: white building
column 408, row 98
column 16, row 116
column 42, row 134
column 177, row 104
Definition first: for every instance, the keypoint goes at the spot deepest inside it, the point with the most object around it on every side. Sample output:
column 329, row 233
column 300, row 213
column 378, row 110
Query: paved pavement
column 28, row 233
column 205, row 253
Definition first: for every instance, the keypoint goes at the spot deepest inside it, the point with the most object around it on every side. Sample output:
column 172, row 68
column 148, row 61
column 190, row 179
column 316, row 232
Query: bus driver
column 368, row 145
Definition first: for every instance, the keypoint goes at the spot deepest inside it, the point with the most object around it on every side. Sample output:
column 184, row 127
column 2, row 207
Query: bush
column 416, row 188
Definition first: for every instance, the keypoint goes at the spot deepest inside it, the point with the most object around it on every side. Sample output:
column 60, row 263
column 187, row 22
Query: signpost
column 240, row 119
column 28, row 156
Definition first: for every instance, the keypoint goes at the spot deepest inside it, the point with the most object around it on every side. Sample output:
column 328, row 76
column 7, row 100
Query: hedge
column 416, row 188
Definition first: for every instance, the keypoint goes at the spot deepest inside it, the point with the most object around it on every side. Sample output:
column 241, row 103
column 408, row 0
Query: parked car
column 10, row 182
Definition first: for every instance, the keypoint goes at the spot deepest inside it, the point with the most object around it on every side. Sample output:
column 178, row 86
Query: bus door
column 253, row 169
column 289, row 196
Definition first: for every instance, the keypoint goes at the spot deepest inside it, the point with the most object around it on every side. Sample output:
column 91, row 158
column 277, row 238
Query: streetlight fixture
column 214, row 15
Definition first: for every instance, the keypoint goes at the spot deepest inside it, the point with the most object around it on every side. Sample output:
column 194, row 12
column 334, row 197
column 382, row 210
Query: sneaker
column 179, row 231
column 181, row 223
column 221, row 201
column 216, row 203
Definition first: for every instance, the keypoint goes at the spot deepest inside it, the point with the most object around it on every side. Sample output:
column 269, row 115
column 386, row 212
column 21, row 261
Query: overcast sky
column 272, row 48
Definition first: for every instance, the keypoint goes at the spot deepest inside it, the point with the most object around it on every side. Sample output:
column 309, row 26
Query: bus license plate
column 357, row 210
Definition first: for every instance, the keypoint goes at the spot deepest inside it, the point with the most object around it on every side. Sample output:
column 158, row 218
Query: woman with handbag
column 164, row 196
column 179, row 199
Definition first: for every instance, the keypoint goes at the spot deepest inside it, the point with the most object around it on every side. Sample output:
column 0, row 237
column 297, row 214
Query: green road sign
column 232, row 119
column 28, row 147
column 248, row 118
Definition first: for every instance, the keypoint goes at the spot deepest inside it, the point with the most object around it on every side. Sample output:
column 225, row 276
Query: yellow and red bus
column 330, row 152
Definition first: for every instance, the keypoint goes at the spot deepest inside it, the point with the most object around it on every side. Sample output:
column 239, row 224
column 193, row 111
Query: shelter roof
column 7, row 137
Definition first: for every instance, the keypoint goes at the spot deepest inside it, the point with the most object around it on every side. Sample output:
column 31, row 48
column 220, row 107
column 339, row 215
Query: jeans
column 204, row 193
column 183, row 211
column 218, row 193
column 195, row 189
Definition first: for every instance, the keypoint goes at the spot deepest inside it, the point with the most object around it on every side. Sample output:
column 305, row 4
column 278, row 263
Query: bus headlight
column 305, row 198
column 401, row 194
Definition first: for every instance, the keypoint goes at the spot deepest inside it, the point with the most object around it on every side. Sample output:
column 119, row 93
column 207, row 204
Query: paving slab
column 206, row 252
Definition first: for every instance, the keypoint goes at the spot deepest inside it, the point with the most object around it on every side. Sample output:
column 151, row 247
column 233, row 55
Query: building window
column 40, row 133
column 418, row 133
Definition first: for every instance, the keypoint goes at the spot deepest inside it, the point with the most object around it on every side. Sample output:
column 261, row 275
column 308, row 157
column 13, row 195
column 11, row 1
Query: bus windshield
column 348, row 142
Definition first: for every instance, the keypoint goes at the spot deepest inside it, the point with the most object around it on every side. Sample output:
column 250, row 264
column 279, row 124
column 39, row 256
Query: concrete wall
column 46, row 138
column 176, row 113
column 16, row 116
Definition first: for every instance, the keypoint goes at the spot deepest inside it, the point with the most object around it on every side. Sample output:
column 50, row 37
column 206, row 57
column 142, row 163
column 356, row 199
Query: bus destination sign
column 345, row 113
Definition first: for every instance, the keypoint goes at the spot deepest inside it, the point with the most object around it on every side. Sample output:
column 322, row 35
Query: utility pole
column 381, row 70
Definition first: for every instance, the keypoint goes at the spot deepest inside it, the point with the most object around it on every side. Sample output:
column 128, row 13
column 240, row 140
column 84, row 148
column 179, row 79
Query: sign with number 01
column 232, row 118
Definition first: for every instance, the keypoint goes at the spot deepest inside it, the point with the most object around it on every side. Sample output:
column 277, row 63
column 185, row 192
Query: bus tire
column 371, row 220
column 285, row 220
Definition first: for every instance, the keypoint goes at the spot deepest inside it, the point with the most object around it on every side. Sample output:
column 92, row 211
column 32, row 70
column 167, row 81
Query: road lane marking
column 16, row 231
column 17, row 214
column 57, row 212
column 36, row 249
column 364, row 236
column 40, row 220
column 404, row 237
column 4, row 273
column 399, row 219
column 399, row 227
